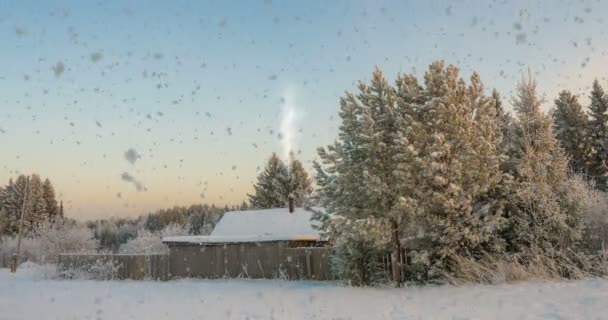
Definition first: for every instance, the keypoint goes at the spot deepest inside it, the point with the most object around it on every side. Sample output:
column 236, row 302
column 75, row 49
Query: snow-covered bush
column 360, row 250
column 148, row 242
column 49, row 239
column 63, row 236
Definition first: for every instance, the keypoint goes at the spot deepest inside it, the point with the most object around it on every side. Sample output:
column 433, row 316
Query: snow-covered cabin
column 256, row 244
column 257, row 226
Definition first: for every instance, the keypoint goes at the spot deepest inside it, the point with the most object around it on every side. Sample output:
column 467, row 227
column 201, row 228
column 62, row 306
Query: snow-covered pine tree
column 598, row 137
column 549, row 215
column 11, row 201
column 457, row 165
column 356, row 174
column 417, row 160
column 570, row 126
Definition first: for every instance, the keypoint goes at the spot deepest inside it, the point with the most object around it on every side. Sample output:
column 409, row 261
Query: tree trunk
column 396, row 255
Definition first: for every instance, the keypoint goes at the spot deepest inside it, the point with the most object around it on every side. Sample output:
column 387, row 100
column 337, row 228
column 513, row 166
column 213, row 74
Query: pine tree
column 457, row 165
column 12, row 203
column 598, row 136
column 38, row 195
column 410, row 154
column 356, row 178
column 547, row 217
column 48, row 194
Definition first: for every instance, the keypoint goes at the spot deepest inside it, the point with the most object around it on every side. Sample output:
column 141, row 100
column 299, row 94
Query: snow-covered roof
column 258, row 226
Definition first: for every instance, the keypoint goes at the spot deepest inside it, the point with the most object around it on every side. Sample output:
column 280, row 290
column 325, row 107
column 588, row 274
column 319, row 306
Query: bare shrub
column 101, row 269
column 596, row 222
column 534, row 266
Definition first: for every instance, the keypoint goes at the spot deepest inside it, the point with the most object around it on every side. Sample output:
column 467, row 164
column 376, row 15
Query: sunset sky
column 198, row 90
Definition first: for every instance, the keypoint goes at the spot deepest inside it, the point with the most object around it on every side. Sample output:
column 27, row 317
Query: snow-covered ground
column 22, row 296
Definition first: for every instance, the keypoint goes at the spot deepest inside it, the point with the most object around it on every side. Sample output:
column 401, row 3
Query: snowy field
column 23, row 296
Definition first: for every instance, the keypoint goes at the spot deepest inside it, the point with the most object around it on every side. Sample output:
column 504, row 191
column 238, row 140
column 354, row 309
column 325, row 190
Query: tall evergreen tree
column 457, row 165
column 570, row 125
column 504, row 121
column 37, row 212
column 357, row 183
column 279, row 181
column 548, row 214
column 598, row 136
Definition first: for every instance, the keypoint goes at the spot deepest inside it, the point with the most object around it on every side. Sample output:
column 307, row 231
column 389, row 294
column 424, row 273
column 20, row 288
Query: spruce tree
column 279, row 181
column 504, row 121
column 570, row 125
column 48, row 194
column 299, row 183
column 37, row 211
column 270, row 186
column 598, row 137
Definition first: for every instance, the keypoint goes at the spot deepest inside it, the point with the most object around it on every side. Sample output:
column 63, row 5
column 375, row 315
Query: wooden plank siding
column 264, row 260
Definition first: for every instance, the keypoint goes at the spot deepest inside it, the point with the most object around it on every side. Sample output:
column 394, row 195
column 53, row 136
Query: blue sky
column 196, row 87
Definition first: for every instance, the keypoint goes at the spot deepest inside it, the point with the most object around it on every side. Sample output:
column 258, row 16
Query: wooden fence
column 117, row 266
column 265, row 260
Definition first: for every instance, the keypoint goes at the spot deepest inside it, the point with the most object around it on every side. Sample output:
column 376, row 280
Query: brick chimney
column 291, row 203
